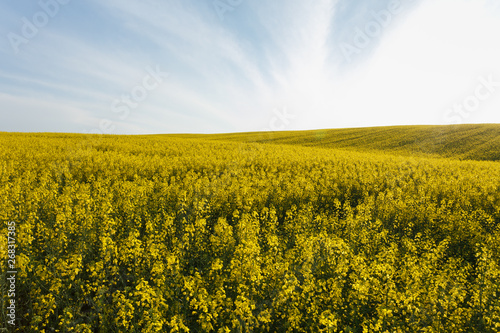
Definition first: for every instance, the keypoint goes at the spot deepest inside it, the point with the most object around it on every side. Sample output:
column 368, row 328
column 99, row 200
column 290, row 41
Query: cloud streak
column 229, row 75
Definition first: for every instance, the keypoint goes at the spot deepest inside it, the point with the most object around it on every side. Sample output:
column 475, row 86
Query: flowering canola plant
column 176, row 234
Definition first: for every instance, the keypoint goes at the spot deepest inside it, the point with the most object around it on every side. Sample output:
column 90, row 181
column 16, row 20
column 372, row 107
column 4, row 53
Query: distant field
column 356, row 230
column 475, row 142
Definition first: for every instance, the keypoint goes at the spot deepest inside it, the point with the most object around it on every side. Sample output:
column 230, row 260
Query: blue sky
column 204, row 66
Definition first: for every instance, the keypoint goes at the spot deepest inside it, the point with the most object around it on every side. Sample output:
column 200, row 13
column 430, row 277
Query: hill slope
column 474, row 142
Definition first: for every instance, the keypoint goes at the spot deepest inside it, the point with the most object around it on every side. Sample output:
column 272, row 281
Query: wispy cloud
column 228, row 75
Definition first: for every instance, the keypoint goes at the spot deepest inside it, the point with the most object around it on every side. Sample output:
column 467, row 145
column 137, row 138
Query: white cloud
column 229, row 76
column 423, row 66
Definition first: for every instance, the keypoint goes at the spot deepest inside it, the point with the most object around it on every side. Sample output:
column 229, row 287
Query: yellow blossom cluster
column 178, row 234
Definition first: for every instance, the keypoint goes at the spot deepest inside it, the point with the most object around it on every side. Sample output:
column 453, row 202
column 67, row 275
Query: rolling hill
column 465, row 142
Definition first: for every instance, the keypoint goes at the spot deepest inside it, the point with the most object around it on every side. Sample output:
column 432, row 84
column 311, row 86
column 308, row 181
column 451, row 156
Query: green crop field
column 387, row 229
column 473, row 142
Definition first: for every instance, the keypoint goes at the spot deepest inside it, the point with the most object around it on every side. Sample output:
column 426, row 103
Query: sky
column 220, row 66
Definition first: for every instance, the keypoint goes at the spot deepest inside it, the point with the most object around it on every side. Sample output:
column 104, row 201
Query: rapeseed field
column 234, row 234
